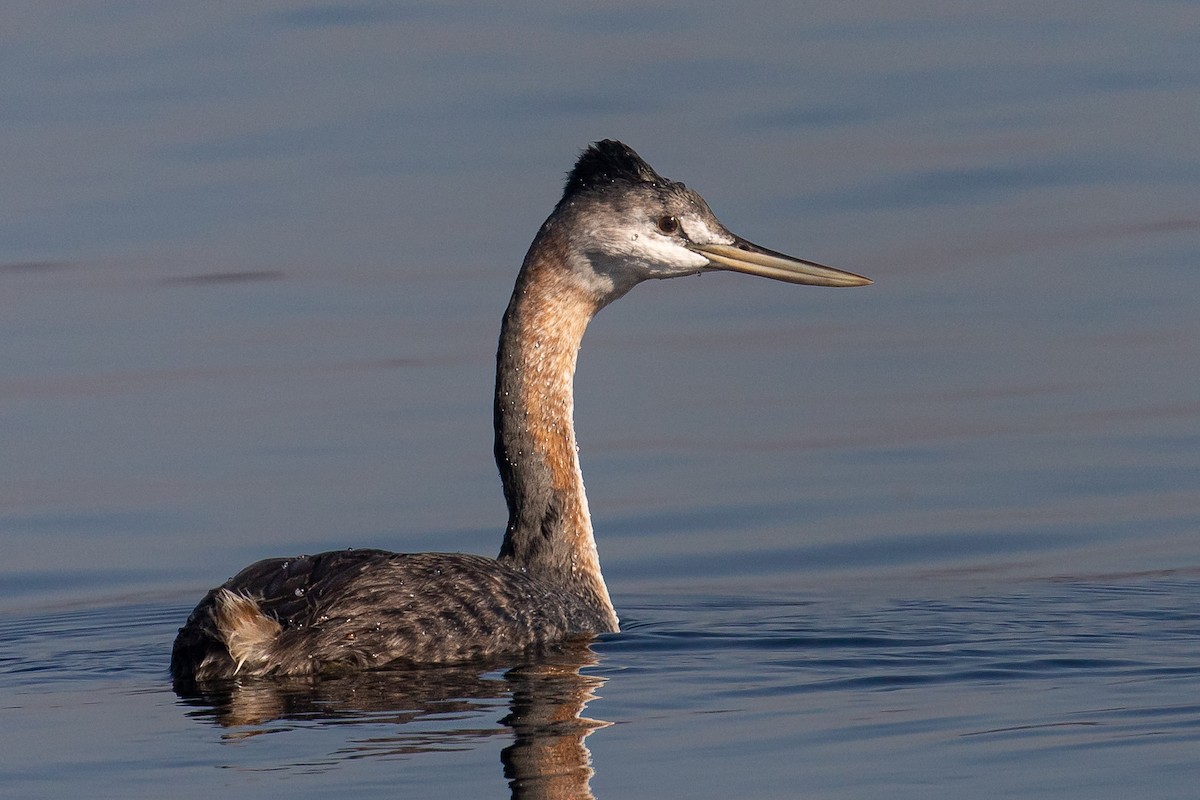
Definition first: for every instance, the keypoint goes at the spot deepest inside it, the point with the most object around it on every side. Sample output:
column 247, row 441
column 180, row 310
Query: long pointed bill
column 743, row 256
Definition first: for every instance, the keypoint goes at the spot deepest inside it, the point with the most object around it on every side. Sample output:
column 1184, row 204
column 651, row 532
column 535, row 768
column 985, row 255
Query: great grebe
column 618, row 223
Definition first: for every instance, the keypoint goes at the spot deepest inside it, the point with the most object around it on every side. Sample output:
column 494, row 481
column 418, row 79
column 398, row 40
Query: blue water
column 938, row 537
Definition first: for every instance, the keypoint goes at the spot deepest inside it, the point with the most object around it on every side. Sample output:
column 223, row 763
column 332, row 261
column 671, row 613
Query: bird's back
column 364, row 609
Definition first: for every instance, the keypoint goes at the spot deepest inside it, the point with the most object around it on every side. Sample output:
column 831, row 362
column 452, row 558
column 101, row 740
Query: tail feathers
column 248, row 633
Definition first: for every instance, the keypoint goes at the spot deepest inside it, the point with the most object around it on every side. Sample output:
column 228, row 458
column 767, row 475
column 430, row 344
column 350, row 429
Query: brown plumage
column 617, row 224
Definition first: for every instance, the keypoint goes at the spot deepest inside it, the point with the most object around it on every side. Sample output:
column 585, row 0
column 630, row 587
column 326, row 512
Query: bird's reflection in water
column 545, row 696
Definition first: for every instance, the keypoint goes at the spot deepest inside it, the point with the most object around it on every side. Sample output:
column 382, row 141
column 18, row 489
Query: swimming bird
column 617, row 224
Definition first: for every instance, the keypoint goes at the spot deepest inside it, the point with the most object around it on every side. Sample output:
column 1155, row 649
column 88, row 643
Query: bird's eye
column 668, row 225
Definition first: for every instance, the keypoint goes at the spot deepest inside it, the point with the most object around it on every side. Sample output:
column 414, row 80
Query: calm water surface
column 935, row 538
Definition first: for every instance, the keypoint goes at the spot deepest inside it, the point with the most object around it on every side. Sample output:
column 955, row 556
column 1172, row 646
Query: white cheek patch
column 625, row 258
column 698, row 230
column 662, row 254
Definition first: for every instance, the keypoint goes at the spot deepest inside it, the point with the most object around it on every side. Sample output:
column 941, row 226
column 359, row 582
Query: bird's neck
column 549, row 533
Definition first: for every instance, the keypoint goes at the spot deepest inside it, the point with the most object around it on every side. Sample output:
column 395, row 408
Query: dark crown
column 606, row 163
